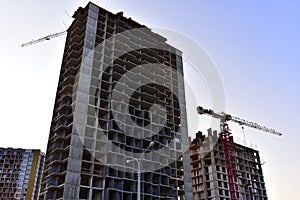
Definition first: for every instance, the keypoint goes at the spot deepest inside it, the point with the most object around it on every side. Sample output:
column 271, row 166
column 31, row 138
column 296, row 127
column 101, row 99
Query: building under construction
column 106, row 58
column 222, row 169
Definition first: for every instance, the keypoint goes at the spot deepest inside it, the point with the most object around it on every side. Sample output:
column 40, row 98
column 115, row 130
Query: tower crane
column 226, row 117
column 227, row 141
column 48, row 37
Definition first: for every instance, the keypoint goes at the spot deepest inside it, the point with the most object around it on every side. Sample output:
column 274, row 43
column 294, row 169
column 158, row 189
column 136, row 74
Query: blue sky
column 254, row 45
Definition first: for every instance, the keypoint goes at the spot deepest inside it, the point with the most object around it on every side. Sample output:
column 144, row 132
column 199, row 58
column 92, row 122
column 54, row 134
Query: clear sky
column 254, row 45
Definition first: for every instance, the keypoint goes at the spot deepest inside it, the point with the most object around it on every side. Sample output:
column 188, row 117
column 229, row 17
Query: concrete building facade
column 120, row 88
column 210, row 176
column 20, row 173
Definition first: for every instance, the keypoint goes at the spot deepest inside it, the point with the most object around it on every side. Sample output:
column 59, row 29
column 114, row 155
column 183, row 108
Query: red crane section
column 227, row 141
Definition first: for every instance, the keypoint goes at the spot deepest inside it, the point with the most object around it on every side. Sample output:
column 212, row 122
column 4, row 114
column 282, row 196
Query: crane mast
column 227, row 141
column 48, row 37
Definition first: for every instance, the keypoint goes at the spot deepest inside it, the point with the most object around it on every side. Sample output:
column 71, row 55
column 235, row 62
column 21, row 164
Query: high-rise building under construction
column 212, row 162
column 119, row 110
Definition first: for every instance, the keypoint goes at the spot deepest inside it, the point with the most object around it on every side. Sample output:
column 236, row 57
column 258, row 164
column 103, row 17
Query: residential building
column 20, row 173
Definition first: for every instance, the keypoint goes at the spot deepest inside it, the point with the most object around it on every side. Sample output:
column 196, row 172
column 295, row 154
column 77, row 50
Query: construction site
column 104, row 117
column 223, row 169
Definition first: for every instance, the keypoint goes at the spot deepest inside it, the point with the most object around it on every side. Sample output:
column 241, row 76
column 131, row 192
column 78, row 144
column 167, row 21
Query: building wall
column 91, row 138
column 210, row 175
column 20, row 172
